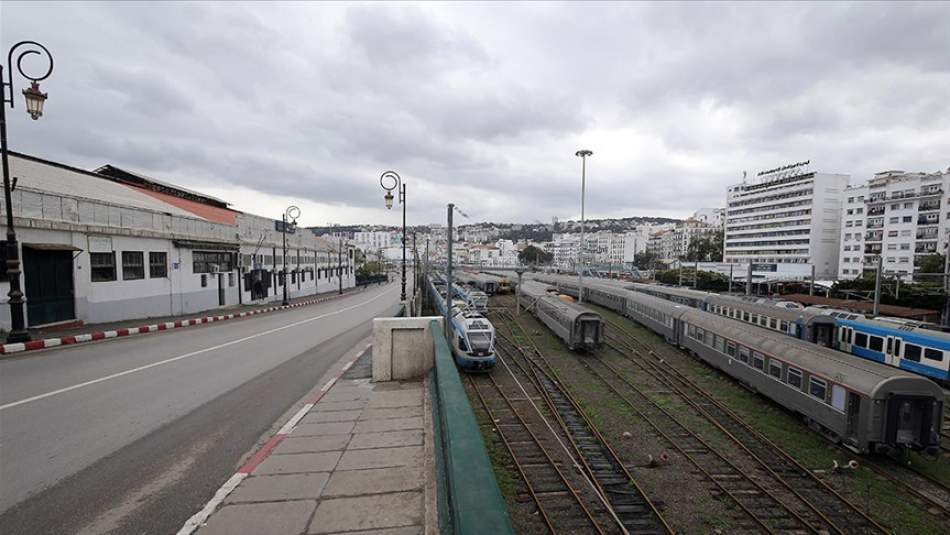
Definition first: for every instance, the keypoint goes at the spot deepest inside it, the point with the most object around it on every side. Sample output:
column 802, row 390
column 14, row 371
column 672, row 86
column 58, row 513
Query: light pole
column 580, row 253
column 292, row 213
column 397, row 184
column 34, row 106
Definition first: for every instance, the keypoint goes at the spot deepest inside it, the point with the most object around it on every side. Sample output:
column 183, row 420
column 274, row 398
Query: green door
column 48, row 276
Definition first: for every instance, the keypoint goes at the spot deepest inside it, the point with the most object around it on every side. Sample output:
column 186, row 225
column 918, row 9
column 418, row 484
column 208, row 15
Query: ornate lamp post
column 34, row 106
column 397, row 184
column 292, row 213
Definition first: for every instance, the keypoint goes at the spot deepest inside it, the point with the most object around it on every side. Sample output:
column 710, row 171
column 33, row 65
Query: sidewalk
column 53, row 336
column 355, row 461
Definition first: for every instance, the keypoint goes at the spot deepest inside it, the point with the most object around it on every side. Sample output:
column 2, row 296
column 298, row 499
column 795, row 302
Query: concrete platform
column 355, row 463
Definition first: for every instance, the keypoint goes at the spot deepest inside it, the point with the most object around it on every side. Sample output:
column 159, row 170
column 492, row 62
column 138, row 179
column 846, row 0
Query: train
column 578, row 327
column 473, row 336
column 907, row 345
column 473, row 298
column 505, row 285
column 485, row 283
column 864, row 405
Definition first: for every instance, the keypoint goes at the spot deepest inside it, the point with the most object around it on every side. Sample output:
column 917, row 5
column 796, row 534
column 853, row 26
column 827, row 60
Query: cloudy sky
column 485, row 104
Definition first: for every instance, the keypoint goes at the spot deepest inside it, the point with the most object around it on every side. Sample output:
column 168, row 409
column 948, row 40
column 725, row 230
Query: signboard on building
column 765, row 267
column 100, row 244
column 279, row 226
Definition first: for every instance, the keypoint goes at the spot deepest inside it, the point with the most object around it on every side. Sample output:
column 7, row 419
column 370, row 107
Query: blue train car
column 473, row 336
column 908, row 347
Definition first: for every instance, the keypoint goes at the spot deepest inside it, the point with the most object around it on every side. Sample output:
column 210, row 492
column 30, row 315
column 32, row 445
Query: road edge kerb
column 33, row 345
column 199, row 518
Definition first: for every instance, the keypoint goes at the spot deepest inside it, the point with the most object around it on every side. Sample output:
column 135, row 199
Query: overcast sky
column 485, row 104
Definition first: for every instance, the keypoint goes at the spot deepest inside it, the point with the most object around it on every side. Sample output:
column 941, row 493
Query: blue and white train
column 906, row 345
column 473, row 336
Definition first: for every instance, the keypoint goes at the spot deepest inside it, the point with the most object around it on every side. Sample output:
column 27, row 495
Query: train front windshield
column 480, row 342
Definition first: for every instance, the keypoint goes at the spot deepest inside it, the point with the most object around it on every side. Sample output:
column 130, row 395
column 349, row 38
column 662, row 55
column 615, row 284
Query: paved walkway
column 356, row 463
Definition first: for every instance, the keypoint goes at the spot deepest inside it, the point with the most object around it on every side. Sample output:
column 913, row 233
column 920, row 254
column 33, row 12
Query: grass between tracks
column 884, row 501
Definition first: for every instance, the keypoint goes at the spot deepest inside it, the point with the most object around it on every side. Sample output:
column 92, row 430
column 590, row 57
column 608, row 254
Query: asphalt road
column 135, row 435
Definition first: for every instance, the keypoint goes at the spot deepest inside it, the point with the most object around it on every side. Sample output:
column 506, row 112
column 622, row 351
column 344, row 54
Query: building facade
column 787, row 216
column 114, row 245
column 898, row 217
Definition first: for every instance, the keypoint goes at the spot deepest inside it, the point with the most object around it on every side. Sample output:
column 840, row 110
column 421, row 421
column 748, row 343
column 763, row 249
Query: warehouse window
column 204, row 280
column 794, row 377
column 102, row 266
column 773, row 323
column 211, row 261
column 860, row 339
column 133, row 265
column 912, row 352
column 157, row 265
column 876, row 343
column 817, row 388
column 758, row 360
column 231, row 280
column 933, row 354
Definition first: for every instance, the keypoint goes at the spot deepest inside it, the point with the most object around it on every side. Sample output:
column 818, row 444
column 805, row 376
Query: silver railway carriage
column 485, row 283
column 504, row 282
column 577, row 326
column 865, row 405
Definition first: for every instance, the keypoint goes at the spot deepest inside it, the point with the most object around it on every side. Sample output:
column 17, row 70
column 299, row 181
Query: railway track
column 929, row 491
column 634, row 510
column 558, row 501
column 934, row 494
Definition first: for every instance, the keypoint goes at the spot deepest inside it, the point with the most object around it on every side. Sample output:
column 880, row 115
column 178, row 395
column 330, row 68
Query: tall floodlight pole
column 397, row 184
column 448, row 276
column 583, row 154
column 291, row 213
column 877, row 286
column 34, row 106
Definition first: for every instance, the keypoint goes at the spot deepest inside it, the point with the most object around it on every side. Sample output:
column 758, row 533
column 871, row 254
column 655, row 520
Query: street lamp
column 396, row 184
column 291, row 213
column 34, row 106
column 583, row 154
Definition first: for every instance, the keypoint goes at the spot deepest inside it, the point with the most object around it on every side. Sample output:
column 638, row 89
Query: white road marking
column 186, row 355
column 289, row 426
column 329, row 385
column 201, row 516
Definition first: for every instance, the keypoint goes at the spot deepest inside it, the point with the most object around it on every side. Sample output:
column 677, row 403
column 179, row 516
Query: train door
column 844, row 339
column 823, row 334
column 892, row 351
column 853, row 415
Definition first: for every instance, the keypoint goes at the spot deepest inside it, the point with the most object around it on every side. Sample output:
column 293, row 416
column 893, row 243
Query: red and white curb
column 32, row 345
column 199, row 518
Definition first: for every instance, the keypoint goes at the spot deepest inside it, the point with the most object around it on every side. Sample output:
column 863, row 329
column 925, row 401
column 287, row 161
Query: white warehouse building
column 787, row 216
column 114, row 245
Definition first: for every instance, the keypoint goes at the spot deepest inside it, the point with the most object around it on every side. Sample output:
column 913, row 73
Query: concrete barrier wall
column 403, row 348
column 470, row 501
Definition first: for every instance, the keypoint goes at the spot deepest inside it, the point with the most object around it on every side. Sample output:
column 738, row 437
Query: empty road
column 133, row 435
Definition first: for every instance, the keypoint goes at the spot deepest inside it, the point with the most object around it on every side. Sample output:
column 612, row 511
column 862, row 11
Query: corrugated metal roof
column 48, row 177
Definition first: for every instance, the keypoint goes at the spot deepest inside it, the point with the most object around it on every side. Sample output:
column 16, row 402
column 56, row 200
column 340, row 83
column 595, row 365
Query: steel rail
column 556, row 386
column 673, row 375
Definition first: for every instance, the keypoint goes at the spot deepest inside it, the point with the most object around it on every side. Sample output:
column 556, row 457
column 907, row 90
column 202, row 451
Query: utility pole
column 448, row 279
column 811, row 285
column 748, row 280
column 339, row 263
column 696, row 275
column 946, row 285
column 520, row 272
column 679, row 272
column 583, row 154
column 730, row 278
column 877, row 286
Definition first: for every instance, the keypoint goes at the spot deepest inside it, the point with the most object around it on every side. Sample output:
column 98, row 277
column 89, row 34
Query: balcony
column 875, row 224
column 876, row 210
column 927, row 206
column 926, row 248
column 929, row 192
column 928, row 220
column 872, row 249
column 874, row 236
column 927, row 234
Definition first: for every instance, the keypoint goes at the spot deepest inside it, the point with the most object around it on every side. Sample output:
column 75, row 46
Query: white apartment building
column 672, row 244
column 897, row 216
column 710, row 217
column 376, row 239
column 788, row 215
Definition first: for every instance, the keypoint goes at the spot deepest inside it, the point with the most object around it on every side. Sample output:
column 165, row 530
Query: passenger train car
column 473, row 336
column 485, row 283
column 575, row 325
column 475, row 299
column 504, row 282
column 865, row 405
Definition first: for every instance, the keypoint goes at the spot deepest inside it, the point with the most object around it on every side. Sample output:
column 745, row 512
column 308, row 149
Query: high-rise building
column 897, row 216
column 788, row 215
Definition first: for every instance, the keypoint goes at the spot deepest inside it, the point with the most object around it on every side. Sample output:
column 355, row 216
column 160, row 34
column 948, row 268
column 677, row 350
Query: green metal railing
column 469, row 499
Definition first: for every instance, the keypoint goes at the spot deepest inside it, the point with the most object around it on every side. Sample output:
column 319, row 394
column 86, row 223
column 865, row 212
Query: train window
column 730, row 348
column 718, row 343
column 837, row 397
column 773, row 323
column 897, row 346
column 794, row 377
column 876, row 343
column 933, row 354
column 775, row 369
column 890, row 345
column 817, row 388
column 912, row 352
column 700, row 334
column 744, row 354
column 860, row 339
column 763, row 321
column 746, row 316
column 783, row 326
column 758, row 360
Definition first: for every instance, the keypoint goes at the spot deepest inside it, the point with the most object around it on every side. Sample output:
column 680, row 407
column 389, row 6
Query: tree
column 645, row 260
column 534, row 255
column 932, row 263
column 706, row 248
